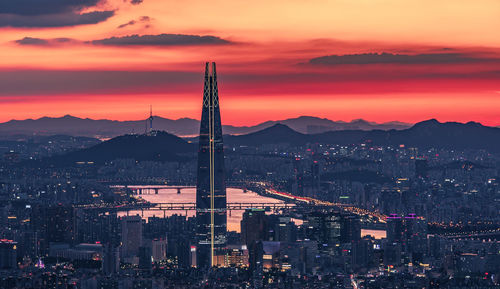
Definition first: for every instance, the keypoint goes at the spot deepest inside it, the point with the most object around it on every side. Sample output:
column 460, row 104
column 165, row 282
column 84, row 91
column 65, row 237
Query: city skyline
column 354, row 144
column 335, row 60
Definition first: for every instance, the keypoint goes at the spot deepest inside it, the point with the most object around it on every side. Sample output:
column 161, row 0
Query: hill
column 159, row 147
column 276, row 134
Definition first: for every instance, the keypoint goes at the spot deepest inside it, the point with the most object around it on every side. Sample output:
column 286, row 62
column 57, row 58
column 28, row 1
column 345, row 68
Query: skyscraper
column 111, row 259
column 254, row 226
column 131, row 236
column 8, row 254
column 211, row 185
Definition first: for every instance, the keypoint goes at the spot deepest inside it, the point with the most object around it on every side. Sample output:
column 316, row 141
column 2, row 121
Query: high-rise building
column 350, row 229
column 298, row 183
column 192, row 256
column 315, row 178
column 421, row 167
column 159, row 249
column 284, row 229
column 361, row 253
column 325, row 228
column 145, row 258
column 211, row 187
column 92, row 226
column 111, row 259
column 254, row 226
column 392, row 254
column 131, row 236
column 8, row 254
column 237, row 256
column 60, row 226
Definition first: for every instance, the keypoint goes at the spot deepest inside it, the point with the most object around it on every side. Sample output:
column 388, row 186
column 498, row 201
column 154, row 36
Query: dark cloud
column 132, row 40
column 131, row 22
column 50, row 13
column 32, row 41
column 38, row 7
column 136, row 2
column 389, row 58
column 42, row 42
column 142, row 19
column 161, row 40
column 54, row 20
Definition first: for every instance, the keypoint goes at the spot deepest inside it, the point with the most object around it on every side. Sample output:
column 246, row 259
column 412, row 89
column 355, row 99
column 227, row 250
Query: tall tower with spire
column 211, row 185
column 150, row 119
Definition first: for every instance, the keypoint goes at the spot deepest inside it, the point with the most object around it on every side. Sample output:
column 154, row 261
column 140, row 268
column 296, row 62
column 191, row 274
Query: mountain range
column 427, row 134
column 163, row 146
column 103, row 128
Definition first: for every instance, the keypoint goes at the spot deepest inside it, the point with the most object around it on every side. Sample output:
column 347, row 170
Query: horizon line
column 255, row 124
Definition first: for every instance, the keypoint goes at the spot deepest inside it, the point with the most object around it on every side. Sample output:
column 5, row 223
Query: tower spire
column 150, row 119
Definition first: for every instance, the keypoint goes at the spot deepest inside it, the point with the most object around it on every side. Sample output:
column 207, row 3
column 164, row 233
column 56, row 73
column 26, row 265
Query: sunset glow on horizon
column 382, row 60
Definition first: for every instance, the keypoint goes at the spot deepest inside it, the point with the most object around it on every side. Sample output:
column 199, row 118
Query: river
column 188, row 195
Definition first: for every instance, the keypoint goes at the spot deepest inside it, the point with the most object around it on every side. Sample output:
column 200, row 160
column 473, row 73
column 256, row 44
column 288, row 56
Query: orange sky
column 389, row 59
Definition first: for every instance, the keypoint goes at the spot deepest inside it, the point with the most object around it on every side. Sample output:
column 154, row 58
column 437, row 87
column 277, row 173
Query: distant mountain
column 160, row 147
column 426, row 134
column 314, row 125
column 103, row 128
column 451, row 135
column 70, row 125
column 276, row 134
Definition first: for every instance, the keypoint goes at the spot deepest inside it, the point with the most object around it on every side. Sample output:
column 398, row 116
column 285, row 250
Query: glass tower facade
column 211, row 186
